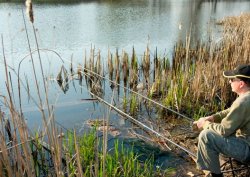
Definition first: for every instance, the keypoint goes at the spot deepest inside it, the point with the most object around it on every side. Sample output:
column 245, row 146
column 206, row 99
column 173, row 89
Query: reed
column 134, row 70
column 110, row 65
column 125, row 103
column 71, row 66
column 94, row 83
column 146, row 66
column 125, row 68
column 79, row 74
column 133, row 104
column 117, row 67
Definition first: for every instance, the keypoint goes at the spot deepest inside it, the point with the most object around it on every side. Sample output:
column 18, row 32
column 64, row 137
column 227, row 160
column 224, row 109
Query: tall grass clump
column 93, row 72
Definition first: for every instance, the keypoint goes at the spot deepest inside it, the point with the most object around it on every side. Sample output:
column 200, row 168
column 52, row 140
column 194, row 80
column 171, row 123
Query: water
column 70, row 29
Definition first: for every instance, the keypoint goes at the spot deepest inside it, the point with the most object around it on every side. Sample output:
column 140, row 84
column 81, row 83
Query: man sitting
column 227, row 132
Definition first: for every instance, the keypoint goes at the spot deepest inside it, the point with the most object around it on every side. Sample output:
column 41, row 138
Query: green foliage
column 38, row 155
column 118, row 162
column 202, row 112
column 88, row 144
column 133, row 104
column 125, row 103
column 69, row 146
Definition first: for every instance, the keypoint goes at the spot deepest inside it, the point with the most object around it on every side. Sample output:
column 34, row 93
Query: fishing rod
column 139, row 123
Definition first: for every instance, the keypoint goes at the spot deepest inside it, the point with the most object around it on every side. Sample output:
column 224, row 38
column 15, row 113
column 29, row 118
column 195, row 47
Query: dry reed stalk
column 146, row 66
column 11, row 86
column 26, row 150
column 91, row 67
column 79, row 166
column 28, row 88
column 85, row 61
column 117, row 67
column 85, row 66
column 71, row 65
column 133, row 71
column 187, row 59
column 92, row 59
column 79, row 73
column 29, row 10
column 106, row 120
column 22, row 154
column 42, row 71
column 155, row 65
column 110, row 65
column 35, row 75
column 6, row 74
column 105, row 143
column 15, row 118
column 196, row 83
column 67, row 157
column 57, row 155
column 98, row 63
column 56, row 147
column 5, row 157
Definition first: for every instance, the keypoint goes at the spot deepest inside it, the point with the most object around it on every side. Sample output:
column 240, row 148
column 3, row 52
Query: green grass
column 119, row 162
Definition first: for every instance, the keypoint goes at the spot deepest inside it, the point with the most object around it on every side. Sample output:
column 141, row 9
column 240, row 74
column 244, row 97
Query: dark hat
column 239, row 71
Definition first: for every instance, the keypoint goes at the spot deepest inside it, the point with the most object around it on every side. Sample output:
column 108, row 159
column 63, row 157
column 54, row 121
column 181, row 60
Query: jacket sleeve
column 231, row 122
column 220, row 115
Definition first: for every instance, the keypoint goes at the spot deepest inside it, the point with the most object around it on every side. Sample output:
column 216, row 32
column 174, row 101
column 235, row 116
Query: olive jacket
column 234, row 121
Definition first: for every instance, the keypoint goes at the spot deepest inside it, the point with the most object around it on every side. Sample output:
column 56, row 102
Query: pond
column 72, row 29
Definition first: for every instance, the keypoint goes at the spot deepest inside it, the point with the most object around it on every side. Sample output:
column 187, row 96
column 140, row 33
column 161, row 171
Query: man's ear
column 242, row 84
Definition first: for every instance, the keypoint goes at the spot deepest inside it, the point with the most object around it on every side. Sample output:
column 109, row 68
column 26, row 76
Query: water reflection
column 122, row 24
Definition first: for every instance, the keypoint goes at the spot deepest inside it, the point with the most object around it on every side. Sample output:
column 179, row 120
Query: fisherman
column 227, row 132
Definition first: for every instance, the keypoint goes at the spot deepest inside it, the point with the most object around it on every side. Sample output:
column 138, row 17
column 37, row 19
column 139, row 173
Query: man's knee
column 206, row 135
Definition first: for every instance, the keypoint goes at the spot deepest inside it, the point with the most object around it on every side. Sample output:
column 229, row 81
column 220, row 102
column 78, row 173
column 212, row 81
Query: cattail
column 29, row 10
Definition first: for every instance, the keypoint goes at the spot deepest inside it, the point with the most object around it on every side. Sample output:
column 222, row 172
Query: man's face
column 236, row 84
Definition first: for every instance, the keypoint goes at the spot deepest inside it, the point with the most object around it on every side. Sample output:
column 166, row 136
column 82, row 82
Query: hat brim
column 229, row 74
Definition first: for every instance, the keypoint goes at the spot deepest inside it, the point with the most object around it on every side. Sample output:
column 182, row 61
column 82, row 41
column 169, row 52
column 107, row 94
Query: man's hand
column 200, row 123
